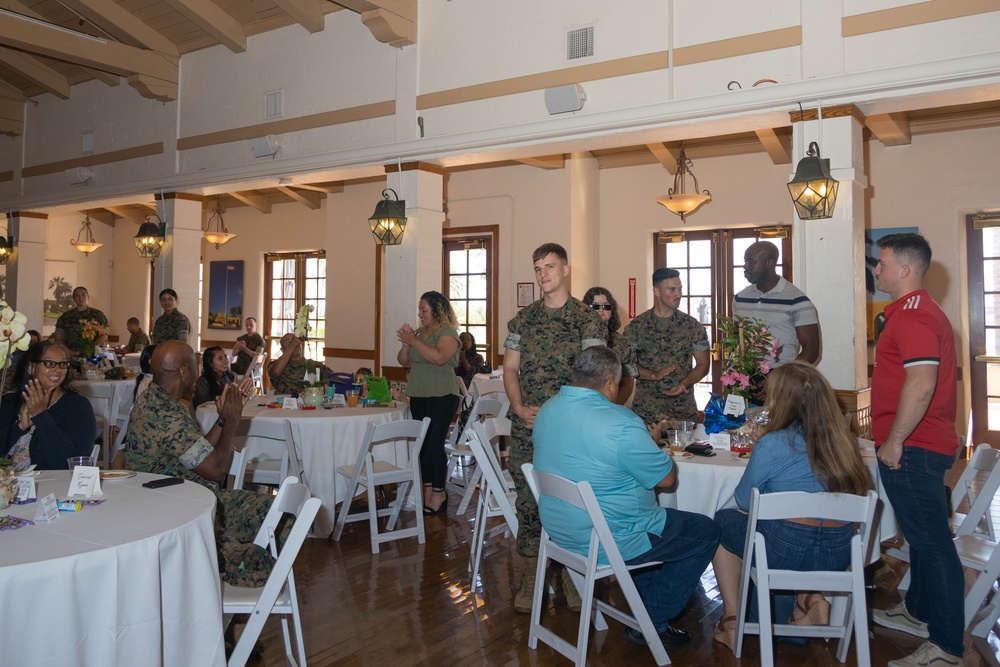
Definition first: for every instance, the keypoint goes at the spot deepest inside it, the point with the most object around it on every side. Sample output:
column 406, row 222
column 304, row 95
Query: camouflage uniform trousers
column 529, row 528
column 238, row 517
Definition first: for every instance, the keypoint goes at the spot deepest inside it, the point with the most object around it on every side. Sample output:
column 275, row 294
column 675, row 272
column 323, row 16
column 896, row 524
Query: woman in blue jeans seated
column 805, row 447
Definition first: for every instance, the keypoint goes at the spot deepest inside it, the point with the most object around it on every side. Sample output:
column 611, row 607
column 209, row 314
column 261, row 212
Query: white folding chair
column 585, row 571
column 256, row 370
column 979, row 519
column 278, row 595
column 101, row 396
column 457, row 449
column 95, row 453
column 795, row 504
column 495, row 500
column 369, row 473
column 264, row 437
column 490, row 388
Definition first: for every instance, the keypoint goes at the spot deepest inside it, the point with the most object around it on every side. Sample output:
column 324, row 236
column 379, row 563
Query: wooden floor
column 412, row 605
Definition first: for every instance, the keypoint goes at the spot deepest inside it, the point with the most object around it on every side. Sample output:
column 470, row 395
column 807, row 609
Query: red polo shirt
column 917, row 332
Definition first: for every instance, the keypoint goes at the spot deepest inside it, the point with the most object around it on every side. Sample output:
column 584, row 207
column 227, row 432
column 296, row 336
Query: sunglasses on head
column 602, row 306
column 48, row 363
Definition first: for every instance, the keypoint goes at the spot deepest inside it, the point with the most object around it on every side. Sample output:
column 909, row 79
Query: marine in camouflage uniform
column 626, row 352
column 173, row 326
column 253, row 341
column 137, row 341
column 162, row 438
column 549, row 341
column 291, row 378
column 659, row 342
column 68, row 325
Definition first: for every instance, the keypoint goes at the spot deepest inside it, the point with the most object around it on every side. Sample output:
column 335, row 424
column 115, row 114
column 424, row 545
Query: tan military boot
column 573, row 600
column 522, row 601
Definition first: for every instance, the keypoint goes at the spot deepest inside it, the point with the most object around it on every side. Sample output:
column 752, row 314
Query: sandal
column 817, row 613
column 725, row 635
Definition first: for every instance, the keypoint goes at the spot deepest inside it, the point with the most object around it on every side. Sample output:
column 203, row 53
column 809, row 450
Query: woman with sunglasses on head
column 46, row 422
column 601, row 301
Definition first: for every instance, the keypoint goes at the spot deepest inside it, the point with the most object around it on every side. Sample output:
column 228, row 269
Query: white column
column 830, row 254
column 26, row 268
column 585, row 216
column 414, row 266
column 179, row 264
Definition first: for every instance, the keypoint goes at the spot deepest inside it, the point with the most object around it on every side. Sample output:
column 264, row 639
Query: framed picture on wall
column 225, row 295
column 525, row 294
column 60, row 281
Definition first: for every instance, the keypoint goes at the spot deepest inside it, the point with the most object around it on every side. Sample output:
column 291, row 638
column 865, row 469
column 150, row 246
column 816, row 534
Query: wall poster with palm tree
column 877, row 299
column 60, row 281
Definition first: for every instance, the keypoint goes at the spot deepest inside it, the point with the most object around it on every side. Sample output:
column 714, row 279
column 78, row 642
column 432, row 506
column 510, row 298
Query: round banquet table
column 135, row 576
column 325, row 440
column 706, row 485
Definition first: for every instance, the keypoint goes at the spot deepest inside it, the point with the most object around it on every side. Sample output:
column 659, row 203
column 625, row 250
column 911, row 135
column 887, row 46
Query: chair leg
column 536, row 597
column 478, row 536
column 251, row 632
column 469, row 491
column 372, row 516
column 401, row 492
column 860, row 623
column 345, row 510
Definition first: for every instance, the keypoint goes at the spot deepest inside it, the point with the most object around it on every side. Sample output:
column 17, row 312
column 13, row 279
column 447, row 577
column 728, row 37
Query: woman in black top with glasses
column 47, row 421
column 600, row 300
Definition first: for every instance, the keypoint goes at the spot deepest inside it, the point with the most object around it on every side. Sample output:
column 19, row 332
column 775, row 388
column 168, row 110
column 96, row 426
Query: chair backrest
column 255, row 370
column 101, row 396
column 463, row 391
column 493, row 387
column 978, row 492
column 390, row 432
column 843, row 507
column 579, row 495
column 257, row 432
column 482, row 407
column 95, row 454
column 482, row 440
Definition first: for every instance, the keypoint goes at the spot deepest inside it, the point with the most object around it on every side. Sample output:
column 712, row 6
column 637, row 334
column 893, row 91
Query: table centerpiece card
column 86, row 482
column 290, row 403
column 48, row 509
column 25, row 490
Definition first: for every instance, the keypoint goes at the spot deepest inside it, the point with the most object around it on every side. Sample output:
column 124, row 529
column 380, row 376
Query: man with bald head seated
column 163, row 438
column 286, row 372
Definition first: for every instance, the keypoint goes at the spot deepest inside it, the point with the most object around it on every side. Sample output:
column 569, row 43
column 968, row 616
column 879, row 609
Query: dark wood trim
column 179, row 195
column 28, row 214
column 452, row 234
column 93, row 160
column 6, row 176
column 348, row 353
column 415, row 166
column 225, row 344
column 979, row 408
column 394, row 373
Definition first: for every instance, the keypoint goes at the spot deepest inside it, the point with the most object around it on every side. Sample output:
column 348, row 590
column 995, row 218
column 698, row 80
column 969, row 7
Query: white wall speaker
column 265, row 146
column 565, row 98
column 78, row 175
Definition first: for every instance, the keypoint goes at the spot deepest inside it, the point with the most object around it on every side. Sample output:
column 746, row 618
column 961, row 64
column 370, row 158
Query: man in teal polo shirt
column 580, row 434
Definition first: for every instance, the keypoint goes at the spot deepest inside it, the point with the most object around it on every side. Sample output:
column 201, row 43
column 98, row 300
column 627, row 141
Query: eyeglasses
column 602, row 306
column 48, row 363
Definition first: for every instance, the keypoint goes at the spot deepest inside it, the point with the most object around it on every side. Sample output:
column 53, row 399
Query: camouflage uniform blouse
column 253, row 341
column 291, row 378
column 663, row 342
column 137, row 341
column 174, row 326
column 68, row 325
column 626, row 352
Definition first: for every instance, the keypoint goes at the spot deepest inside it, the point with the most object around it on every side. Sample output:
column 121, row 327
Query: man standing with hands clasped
column 913, row 423
column 542, row 345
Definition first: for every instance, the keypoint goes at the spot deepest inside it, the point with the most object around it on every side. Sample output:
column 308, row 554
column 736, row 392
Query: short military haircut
column 133, row 320
column 911, row 249
column 664, row 274
column 595, row 366
column 546, row 249
column 251, row 318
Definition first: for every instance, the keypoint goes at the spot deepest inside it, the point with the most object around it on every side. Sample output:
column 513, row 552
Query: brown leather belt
column 818, row 523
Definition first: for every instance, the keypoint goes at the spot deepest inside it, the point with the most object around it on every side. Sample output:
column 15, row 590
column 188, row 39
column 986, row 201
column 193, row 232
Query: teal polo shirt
column 581, row 435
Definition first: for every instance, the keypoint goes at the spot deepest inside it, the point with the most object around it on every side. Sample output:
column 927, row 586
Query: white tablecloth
column 325, row 440
column 706, row 485
column 132, row 581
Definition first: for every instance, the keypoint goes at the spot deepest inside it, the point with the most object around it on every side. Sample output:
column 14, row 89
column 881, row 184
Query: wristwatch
column 221, row 423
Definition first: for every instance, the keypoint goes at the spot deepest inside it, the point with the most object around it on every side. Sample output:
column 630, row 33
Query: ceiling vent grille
column 580, row 43
column 274, row 104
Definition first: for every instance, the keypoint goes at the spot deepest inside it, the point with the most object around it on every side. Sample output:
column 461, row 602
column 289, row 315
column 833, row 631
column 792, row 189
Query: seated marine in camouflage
column 287, row 372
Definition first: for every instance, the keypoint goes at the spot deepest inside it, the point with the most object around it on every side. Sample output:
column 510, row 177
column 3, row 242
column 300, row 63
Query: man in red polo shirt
column 913, row 423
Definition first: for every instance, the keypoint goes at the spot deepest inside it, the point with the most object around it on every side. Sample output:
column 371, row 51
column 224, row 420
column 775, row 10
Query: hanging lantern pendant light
column 88, row 245
column 813, row 190
column 678, row 200
column 216, row 231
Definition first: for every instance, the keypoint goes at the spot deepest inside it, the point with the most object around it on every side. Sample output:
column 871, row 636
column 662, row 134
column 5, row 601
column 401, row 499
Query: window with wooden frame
column 470, row 278
column 293, row 280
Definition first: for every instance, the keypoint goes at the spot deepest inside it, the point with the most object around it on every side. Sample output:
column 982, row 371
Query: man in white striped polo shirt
column 788, row 312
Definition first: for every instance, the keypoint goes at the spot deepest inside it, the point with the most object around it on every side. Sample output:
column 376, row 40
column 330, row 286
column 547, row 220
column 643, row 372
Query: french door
column 983, row 243
column 469, row 271
column 293, row 280
column 711, row 266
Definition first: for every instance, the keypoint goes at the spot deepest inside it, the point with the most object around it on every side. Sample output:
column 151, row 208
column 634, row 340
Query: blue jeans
column 937, row 587
column 685, row 547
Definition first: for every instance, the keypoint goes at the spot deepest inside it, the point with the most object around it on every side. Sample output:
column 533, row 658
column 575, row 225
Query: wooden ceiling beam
column 307, row 198
column 892, row 129
column 328, row 188
column 667, row 154
column 254, row 200
column 11, row 116
column 212, row 19
column 306, row 13
column 391, row 22
column 35, row 71
column 778, row 144
column 129, row 213
column 91, row 52
column 545, row 162
column 101, row 215
column 122, row 24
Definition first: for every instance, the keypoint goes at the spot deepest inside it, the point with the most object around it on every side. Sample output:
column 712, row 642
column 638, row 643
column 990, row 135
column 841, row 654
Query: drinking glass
column 352, row 398
column 75, row 461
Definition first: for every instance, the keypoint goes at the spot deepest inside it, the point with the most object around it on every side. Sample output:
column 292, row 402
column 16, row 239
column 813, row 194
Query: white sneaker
column 928, row 655
column 897, row 618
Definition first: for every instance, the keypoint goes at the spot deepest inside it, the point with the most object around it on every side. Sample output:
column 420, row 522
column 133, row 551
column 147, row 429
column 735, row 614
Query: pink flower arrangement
column 746, row 343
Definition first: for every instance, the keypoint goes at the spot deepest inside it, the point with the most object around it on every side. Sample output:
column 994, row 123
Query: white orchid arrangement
column 13, row 332
column 302, row 325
